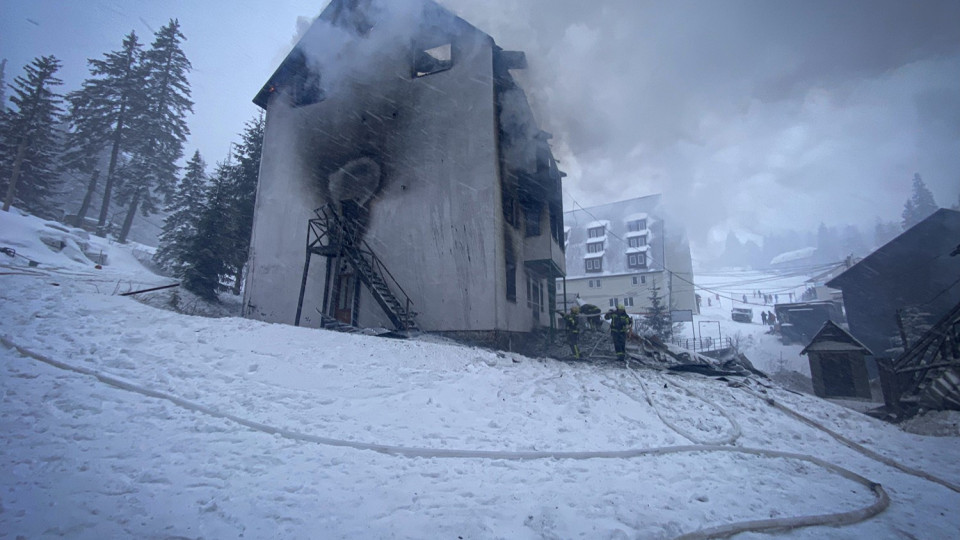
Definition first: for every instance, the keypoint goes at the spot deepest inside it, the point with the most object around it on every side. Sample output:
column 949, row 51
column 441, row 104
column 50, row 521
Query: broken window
column 637, row 260
column 637, row 225
column 594, row 265
column 434, row 60
column 595, row 247
column 637, row 241
column 595, row 232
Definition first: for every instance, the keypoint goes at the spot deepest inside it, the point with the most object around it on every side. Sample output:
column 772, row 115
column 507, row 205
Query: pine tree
column 30, row 142
column 162, row 128
column 920, row 204
column 185, row 209
column 243, row 192
column 3, row 86
column 105, row 110
column 657, row 320
column 205, row 253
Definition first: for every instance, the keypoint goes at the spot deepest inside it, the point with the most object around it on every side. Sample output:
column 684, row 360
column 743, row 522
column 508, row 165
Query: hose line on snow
column 852, row 444
column 880, row 503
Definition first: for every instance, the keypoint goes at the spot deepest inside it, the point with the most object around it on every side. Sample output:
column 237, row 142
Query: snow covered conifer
column 205, row 253
column 920, row 204
column 185, row 210
column 29, row 142
column 104, row 111
column 657, row 321
column 161, row 126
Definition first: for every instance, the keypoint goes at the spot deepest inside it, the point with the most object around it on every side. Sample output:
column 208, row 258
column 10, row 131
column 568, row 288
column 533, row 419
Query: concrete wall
column 435, row 219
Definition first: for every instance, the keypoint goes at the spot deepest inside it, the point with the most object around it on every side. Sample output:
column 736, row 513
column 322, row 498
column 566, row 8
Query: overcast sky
column 748, row 115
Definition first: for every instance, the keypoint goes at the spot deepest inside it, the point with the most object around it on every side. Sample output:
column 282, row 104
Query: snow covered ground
column 764, row 350
column 123, row 420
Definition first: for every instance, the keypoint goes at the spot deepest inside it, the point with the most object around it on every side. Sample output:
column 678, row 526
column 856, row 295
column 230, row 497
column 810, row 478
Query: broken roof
column 916, row 243
column 357, row 17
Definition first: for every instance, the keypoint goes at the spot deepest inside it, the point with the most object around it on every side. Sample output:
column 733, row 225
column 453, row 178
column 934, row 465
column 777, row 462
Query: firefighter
column 571, row 322
column 620, row 324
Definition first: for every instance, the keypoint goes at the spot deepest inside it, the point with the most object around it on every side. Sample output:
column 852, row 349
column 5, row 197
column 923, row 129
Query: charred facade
column 404, row 182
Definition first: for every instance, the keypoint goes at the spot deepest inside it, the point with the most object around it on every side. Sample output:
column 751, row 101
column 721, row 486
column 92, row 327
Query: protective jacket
column 620, row 322
column 571, row 323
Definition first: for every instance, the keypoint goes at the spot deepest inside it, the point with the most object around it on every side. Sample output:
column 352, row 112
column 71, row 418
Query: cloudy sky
column 748, row 115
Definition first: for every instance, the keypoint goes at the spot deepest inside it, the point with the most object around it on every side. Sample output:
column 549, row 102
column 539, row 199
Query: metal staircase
column 330, row 234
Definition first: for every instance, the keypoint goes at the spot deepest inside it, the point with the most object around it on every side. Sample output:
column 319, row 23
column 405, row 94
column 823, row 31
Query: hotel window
column 636, row 225
column 594, row 265
column 628, row 301
column 637, row 260
column 595, row 247
column 637, row 241
column 595, row 232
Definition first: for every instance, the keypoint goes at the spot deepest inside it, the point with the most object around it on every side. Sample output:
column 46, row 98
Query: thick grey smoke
column 748, row 115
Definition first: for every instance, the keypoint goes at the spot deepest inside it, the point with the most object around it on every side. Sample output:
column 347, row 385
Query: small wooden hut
column 837, row 363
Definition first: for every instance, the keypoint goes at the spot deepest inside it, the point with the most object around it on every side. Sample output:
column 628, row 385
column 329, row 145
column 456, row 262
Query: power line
column 663, row 263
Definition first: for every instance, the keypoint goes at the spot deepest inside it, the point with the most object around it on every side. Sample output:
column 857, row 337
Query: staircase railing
column 331, row 234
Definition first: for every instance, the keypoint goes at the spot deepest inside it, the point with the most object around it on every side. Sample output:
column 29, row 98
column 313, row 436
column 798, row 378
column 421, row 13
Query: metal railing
column 706, row 344
column 330, row 230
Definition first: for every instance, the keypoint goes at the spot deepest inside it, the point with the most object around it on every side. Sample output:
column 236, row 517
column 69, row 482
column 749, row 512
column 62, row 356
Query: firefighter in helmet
column 571, row 322
column 620, row 324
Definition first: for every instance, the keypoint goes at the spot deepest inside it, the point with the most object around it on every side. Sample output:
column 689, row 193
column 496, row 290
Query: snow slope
column 121, row 420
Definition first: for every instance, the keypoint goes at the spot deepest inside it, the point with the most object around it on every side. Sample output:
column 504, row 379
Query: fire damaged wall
column 391, row 118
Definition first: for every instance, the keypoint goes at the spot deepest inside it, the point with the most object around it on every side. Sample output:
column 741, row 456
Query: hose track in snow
column 729, row 438
column 880, row 503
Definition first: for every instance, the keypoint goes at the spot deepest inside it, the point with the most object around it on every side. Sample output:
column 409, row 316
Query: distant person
column 709, row 302
column 699, row 301
column 776, row 298
column 791, row 297
column 744, row 299
column 763, row 317
column 771, row 318
column 571, row 323
column 620, row 324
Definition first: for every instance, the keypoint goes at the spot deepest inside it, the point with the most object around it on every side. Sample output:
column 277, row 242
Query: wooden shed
column 837, row 363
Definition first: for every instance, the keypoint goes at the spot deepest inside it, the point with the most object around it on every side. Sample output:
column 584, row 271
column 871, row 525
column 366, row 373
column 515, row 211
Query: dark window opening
column 594, row 265
column 637, row 241
column 595, row 232
column 531, row 220
column 434, row 60
column 641, row 279
column 511, row 281
column 637, row 225
column 628, row 301
column 595, row 247
column 511, row 210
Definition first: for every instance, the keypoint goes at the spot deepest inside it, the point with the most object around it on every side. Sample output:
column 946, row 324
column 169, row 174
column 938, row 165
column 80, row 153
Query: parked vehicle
column 742, row 314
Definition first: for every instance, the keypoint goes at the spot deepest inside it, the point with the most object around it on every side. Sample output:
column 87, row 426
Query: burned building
column 404, row 182
column 911, row 279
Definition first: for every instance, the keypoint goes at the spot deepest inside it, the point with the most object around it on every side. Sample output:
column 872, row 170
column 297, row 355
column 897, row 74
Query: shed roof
column 832, row 337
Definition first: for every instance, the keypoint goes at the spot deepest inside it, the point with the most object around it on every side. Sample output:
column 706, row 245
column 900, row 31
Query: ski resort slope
column 121, row 420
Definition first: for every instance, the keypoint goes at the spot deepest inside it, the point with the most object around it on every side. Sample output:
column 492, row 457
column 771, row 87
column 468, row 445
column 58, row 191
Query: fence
column 706, row 344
